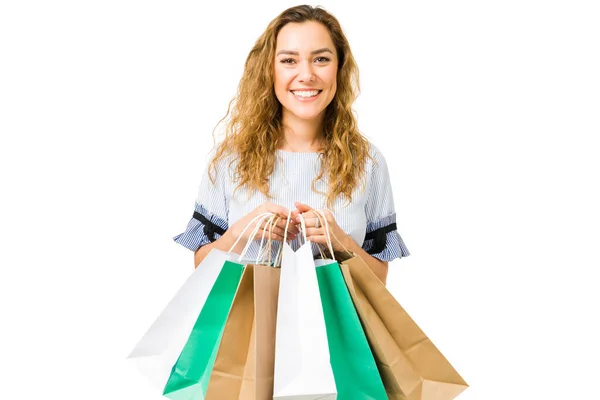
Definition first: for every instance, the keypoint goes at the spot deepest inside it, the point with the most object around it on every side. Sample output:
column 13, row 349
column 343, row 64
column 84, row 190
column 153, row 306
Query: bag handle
column 279, row 255
column 321, row 216
column 302, row 226
column 261, row 249
column 260, row 218
column 273, row 221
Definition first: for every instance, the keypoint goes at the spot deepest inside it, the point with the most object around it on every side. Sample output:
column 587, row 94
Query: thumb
column 301, row 207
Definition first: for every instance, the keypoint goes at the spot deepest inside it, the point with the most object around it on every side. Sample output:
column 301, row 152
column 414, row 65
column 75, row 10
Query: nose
column 306, row 72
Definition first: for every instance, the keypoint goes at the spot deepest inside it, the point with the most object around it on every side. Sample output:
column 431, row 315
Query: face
column 305, row 70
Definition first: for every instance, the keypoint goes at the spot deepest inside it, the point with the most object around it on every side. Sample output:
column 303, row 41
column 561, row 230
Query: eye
column 287, row 61
column 322, row 59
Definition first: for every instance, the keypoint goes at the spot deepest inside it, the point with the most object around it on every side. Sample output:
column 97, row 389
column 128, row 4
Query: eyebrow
column 295, row 53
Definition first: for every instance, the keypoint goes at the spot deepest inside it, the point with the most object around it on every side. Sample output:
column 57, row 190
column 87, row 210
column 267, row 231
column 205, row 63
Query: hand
column 315, row 229
column 274, row 233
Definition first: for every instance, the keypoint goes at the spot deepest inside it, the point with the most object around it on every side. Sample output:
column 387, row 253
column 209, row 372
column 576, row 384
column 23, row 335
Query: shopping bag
column 353, row 364
column 244, row 365
column 354, row 368
column 302, row 365
column 411, row 367
column 190, row 375
column 157, row 351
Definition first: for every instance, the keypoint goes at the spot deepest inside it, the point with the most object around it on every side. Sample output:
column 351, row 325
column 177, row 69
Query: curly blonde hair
column 254, row 128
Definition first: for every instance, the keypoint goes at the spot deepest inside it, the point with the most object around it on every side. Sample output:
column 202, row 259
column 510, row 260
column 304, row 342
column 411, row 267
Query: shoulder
column 223, row 167
column 375, row 152
column 376, row 160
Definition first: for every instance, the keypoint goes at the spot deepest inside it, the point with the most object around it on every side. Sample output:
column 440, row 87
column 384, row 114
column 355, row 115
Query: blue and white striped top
column 370, row 218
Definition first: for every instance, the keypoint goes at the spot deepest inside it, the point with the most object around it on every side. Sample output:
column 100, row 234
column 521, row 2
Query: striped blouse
column 370, row 218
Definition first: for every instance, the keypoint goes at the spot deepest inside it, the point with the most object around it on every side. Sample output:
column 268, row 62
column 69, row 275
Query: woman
column 292, row 143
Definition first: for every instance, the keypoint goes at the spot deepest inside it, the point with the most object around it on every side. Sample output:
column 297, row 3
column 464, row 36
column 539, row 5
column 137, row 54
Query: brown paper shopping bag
column 411, row 367
column 244, row 364
column 258, row 375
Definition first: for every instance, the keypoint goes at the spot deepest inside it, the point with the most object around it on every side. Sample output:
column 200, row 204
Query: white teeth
column 305, row 93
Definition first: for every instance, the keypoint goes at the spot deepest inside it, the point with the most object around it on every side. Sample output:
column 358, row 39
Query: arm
column 223, row 243
column 380, row 268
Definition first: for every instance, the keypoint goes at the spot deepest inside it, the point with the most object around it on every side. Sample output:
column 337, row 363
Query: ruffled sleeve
column 211, row 210
column 382, row 239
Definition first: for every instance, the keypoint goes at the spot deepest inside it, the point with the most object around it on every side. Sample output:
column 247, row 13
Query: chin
column 308, row 117
column 306, row 114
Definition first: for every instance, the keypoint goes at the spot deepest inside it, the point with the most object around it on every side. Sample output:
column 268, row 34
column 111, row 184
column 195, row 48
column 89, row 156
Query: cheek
column 280, row 86
column 331, row 78
column 276, row 77
column 282, row 78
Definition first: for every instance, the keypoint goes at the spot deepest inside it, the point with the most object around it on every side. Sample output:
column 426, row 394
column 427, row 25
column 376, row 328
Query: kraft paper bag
column 248, row 387
column 244, row 365
column 411, row 367
column 266, row 293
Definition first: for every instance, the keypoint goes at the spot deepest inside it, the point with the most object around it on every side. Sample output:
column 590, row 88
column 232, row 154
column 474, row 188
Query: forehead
column 305, row 36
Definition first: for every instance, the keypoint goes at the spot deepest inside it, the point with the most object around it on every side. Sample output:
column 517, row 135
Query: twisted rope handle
column 260, row 218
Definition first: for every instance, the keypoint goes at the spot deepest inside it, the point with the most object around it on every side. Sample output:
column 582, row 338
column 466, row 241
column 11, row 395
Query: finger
column 301, row 207
column 278, row 238
column 266, row 235
column 309, row 215
column 292, row 228
column 279, row 230
column 277, row 209
column 310, row 222
column 295, row 215
column 264, row 225
column 315, row 232
column 322, row 240
column 274, row 229
column 293, row 224
column 316, row 222
column 272, row 220
column 316, row 238
column 328, row 217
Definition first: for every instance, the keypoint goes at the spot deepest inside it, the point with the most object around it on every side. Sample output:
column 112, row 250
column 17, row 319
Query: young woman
column 292, row 143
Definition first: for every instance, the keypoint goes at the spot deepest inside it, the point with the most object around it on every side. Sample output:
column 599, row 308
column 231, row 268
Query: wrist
column 342, row 243
column 229, row 238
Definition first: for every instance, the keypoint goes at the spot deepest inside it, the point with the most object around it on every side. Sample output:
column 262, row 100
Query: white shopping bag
column 158, row 350
column 302, row 367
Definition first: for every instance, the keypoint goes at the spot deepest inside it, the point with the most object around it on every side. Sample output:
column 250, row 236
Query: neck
column 301, row 135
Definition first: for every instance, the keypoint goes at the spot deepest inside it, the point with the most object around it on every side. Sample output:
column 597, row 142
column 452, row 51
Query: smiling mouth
column 305, row 94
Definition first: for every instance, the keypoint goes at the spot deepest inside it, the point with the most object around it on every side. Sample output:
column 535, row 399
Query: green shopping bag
column 191, row 372
column 354, row 368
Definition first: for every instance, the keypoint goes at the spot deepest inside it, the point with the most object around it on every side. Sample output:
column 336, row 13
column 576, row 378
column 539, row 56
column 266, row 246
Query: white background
column 486, row 112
